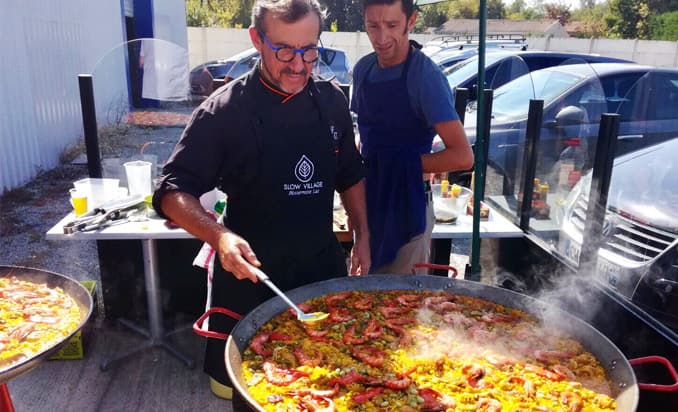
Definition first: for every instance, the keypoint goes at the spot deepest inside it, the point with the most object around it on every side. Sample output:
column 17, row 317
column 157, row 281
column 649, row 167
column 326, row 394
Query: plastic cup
column 78, row 201
column 139, row 179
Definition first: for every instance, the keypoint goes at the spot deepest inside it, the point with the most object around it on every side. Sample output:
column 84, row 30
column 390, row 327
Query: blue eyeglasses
column 286, row 54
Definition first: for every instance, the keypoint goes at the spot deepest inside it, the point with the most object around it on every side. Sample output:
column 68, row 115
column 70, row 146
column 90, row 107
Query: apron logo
column 304, row 169
column 335, row 133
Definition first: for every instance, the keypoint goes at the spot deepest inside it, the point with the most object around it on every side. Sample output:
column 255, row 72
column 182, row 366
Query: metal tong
column 106, row 214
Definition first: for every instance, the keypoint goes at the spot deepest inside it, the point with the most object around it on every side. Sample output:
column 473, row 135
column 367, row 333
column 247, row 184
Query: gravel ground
column 28, row 212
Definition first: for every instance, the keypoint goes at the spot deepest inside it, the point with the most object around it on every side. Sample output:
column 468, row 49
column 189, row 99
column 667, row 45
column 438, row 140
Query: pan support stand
column 157, row 338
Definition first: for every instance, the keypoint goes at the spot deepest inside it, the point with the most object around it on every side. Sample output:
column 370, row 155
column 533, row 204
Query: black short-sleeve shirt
column 219, row 147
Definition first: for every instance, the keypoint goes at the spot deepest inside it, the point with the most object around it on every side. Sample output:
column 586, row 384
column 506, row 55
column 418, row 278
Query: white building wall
column 45, row 45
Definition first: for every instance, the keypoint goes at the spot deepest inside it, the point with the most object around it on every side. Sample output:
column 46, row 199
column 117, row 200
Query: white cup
column 139, row 179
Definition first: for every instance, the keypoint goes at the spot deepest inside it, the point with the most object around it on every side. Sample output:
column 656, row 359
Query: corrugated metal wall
column 44, row 45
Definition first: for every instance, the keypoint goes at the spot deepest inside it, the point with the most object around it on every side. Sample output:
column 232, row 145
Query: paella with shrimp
column 33, row 318
column 419, row 351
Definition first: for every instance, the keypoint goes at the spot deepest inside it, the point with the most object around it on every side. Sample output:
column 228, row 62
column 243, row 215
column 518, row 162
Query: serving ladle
column 301, row 316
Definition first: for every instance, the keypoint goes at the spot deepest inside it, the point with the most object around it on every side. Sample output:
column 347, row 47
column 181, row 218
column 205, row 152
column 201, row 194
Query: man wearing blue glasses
column 278, row 143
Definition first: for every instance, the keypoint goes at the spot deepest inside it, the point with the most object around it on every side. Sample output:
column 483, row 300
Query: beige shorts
column 417, row 250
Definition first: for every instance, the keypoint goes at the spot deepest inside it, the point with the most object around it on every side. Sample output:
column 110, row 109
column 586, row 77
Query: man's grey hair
column 289, row 11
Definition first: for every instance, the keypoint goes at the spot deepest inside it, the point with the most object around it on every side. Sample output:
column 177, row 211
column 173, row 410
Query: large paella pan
column 622, row 383
column 45, row 295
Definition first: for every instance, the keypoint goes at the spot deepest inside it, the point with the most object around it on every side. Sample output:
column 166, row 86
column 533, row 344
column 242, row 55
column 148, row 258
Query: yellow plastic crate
column 74, row 347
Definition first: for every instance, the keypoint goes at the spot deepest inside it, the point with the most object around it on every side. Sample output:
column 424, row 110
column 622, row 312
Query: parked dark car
column 333, row 64
column 448, row 54
column 575, row 96
column 202, row 76
column 638, row 255
column 503, row 66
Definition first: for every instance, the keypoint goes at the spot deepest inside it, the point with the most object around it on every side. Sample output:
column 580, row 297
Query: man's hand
column 353, row 199
column 236, row 256
column 360, row 257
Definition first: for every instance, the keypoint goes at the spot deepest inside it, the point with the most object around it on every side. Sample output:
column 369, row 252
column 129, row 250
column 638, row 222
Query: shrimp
column 489, row 404
column 351, row 336
column 434, row 300
column 258, row 342
column 547, row 355
column 368, row 354
column 318, row 404
column 334, row 299
column 433, row 401
column 364, row 303
column 528, row 385
column 410, row 301
column 22, row 331
column 573, row 401
column 563, row 371
column 340, row 314
column 280, row 376
column 500, row 360
column 318, row 393
column 543, row 372
column 373, row 330
column 365, row 396
column 396, row 325
column 458, row 320
column 474, row 374
column 398, row 384
column 390, row 312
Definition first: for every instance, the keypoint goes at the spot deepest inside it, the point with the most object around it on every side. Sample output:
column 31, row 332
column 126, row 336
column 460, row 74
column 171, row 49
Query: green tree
column 662, row 6
column 518, row 10
column 517, row 7
column 495, row 9
column 346, row 14
column 593, row 20
column 218, row 13
column 431, row 15
column 665, row 26
column 629, row 19
column 558, row 12
column 463, row 9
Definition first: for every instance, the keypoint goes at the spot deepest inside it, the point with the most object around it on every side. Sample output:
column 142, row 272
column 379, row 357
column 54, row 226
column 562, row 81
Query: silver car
column 639, row 252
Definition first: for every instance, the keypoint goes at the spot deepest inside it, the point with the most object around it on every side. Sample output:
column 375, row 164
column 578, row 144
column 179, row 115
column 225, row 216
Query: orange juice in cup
column 78, row 201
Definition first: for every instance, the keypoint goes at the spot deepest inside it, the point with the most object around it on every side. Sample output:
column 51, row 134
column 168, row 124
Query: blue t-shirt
column 430, row 95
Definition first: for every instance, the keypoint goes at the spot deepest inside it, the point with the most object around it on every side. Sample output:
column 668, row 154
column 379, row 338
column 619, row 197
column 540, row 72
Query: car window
column 220, row 70
column 467, row 68
column 622, row 92
column 505, row 71
column 513, row 98
column 666, row 102
column 327, row 55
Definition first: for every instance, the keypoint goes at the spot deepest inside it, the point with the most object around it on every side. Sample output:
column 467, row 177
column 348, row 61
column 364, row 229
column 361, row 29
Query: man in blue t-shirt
column 402, row 100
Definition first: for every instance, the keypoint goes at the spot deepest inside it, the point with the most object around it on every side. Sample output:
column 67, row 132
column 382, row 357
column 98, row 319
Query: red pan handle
column 652, row 386
column 434, row 266
column 197, row 326
column 5, row 400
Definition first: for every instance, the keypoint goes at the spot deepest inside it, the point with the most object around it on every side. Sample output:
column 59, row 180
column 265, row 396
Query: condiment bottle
column 543, row 191
column 444, row 187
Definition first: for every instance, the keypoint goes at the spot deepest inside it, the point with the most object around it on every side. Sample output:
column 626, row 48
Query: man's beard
column 277, row 82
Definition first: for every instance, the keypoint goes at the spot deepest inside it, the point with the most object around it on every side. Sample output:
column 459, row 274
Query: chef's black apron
column 285, row 213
